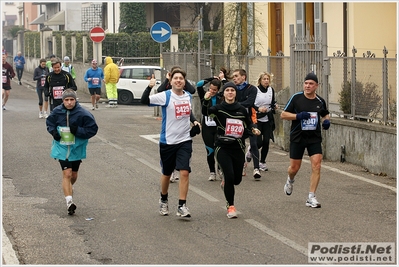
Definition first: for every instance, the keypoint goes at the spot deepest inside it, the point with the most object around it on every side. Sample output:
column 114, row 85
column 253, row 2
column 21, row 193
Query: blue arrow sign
column 160, row 31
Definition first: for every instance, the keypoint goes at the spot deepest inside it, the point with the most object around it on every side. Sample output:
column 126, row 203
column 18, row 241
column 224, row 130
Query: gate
column 307, row 55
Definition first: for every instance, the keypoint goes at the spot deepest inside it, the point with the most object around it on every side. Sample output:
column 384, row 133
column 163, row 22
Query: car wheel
column 125, row 97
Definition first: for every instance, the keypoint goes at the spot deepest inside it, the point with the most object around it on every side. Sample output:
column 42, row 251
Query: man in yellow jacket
column 111, row 78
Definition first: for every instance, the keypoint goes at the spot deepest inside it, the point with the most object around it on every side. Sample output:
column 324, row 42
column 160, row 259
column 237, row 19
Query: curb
column 8, row 253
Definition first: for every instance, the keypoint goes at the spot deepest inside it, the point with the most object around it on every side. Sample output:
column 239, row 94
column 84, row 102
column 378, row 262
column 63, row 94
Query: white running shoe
column 40, row 115
column 313, row 203
column 257, row 175
column 183, row 211
column 288, row 187
column 262, row 166
column 212, row 177
column 45, row 115
column 248, row 155
column 163, row 207
column 175, row 177
column 93, row 108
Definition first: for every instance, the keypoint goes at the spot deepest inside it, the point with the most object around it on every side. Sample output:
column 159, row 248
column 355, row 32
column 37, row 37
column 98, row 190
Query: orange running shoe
column 231, row 212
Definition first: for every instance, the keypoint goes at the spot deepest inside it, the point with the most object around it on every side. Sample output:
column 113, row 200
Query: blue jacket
column 87, row 128
column 19, row 62
column 97, row 73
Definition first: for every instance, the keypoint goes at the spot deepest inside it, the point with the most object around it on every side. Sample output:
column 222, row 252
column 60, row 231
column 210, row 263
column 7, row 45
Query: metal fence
column 361, row 88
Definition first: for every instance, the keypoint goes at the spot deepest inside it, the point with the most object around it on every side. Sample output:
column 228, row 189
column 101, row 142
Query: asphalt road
column 117, row 220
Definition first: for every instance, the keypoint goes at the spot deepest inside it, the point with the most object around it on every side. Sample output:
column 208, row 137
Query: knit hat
column 69, row 93
column 311, row 76
column 66, row 58
column 229, row 84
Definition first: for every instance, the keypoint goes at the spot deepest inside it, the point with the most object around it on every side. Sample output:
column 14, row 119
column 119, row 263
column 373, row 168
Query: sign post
column 160, row 32
column 97, row 35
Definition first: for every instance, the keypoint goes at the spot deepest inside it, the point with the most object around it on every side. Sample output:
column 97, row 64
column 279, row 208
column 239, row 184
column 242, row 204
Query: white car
column 133, row 80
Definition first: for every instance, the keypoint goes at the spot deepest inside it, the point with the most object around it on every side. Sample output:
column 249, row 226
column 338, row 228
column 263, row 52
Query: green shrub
column 367, row 99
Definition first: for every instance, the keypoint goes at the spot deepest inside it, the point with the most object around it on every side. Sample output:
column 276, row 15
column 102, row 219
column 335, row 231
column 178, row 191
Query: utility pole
column 200, row 37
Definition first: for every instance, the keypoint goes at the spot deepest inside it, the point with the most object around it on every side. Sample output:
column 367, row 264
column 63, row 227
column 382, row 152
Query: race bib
column 234, row 128
column 182, row 109
column 42, row 81
column 57, row 92
column 67, row 138
column 4, row 79
column 311, row 123
column 209, row 121
column 95, row 81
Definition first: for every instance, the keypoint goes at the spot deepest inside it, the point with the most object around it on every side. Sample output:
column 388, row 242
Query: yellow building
column 367, row 26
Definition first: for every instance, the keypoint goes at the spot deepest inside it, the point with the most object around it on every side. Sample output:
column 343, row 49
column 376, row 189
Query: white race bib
column 182, row 109
column 57, row 92
column 234, row 128
column 311, row 123
column 95, row 81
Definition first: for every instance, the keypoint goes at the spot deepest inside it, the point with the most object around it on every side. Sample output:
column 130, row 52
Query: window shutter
column 318, row 19
column 300, row 17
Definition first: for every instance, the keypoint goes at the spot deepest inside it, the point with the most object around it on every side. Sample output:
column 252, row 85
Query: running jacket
column 87, row 128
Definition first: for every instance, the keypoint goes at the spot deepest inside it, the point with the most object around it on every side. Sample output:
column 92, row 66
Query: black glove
column 195, row 130
column 303, row 115
column 326, row 124
column 73, row 129
column 56, row 135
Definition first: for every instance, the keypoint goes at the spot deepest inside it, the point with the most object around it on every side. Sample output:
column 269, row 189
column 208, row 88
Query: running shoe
column 257, row 175
column 4, row 107
column 231, row 212
column 71, row 207
column 220, row 174
column 183, row 211
column 40, row 115
column 175, row 176
column 212, row 177
column 288, row 187
column 45, row 115
column 313, row 203
column 163, row 207
column 248, row 155
column 263, row 167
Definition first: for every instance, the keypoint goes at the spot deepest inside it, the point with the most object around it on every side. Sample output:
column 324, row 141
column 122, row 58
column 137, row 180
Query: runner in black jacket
column 56, row 82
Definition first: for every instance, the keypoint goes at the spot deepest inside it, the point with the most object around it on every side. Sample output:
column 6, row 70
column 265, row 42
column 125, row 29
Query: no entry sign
column 97, row 34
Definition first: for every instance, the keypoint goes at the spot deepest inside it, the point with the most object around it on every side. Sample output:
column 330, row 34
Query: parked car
column 133, row 80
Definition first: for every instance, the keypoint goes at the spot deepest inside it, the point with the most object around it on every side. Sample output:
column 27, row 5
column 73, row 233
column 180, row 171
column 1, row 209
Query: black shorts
column 95, row 91
column 66, row 164
column 175, row 157
column 6, row 87
column 297, row 149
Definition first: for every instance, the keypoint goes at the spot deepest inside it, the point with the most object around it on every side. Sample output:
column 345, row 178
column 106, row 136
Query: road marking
column 152, row 137
column 109, row 143
column 356, row 176
column 278, row 236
